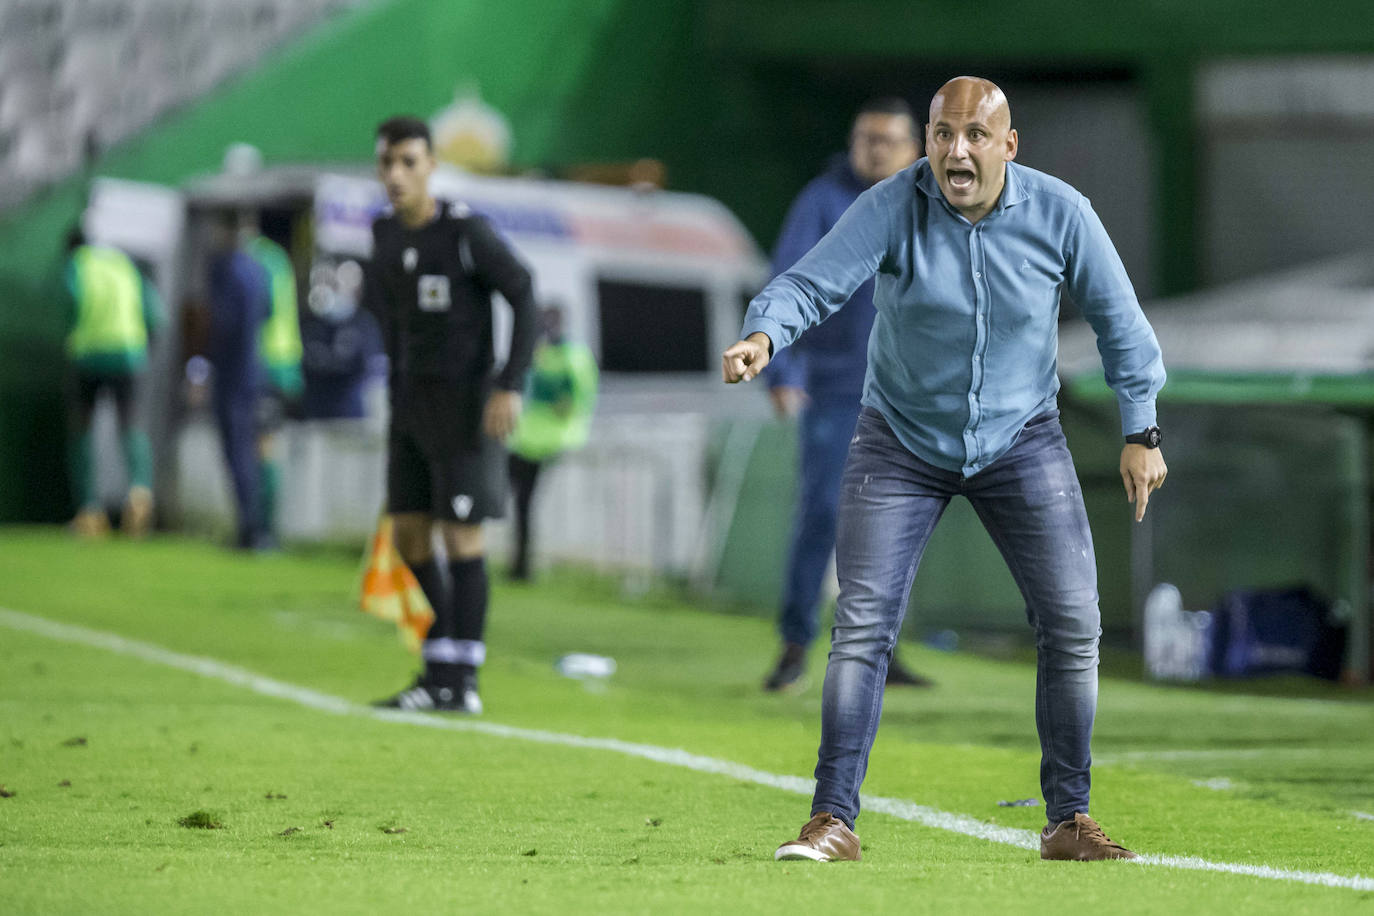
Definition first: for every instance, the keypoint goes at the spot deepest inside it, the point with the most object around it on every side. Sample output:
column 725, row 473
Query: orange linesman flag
column 391, row 591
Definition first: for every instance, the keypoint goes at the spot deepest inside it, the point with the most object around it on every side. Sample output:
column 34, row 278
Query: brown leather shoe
column 825, row 838
column 1080, row 840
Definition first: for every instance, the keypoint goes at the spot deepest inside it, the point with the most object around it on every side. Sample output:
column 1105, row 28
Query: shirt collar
column 1013, row 190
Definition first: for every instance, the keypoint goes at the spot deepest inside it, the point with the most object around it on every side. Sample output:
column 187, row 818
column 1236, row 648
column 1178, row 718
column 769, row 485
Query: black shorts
column 438, row 459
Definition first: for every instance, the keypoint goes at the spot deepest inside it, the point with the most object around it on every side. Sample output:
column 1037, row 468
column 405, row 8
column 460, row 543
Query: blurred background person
column 240, row 303
column 341, row 344
column 113, row 311
column 820, row 378
column 279, row 347
column 557, row 417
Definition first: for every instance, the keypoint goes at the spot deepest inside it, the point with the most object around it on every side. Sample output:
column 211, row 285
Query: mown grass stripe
column 894, row 807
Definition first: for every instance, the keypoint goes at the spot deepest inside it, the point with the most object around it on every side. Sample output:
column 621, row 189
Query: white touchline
column 1222, row 753
column 895, row 807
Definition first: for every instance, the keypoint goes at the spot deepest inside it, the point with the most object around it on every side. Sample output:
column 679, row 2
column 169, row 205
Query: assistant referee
column 434, row 268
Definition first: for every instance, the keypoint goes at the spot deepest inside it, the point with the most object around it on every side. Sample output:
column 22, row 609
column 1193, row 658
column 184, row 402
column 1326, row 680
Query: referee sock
column 441, row 630
column 469, row 606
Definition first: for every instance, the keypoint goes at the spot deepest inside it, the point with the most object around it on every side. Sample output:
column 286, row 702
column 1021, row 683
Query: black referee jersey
column 430, row 289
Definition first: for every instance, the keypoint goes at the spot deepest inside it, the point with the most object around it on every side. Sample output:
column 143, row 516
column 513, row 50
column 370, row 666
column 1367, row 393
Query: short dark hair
column 404, row 127
column 889, row 105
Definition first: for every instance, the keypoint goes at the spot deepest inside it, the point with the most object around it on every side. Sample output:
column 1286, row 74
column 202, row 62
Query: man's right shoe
column 825, row 838
column 789, row 669
column 1080, row 840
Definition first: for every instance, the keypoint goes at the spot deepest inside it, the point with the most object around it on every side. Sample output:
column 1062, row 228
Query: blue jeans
column 1030, row 502
column 823, row 442
column 236, row 415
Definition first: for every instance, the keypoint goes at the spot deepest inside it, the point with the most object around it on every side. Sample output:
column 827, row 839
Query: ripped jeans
column 1030, row 502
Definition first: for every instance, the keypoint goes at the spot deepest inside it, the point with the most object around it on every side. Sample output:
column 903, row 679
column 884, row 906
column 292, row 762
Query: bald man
column 971, row 252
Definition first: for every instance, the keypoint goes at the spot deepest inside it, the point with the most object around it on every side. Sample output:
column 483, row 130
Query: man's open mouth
column 959, row 179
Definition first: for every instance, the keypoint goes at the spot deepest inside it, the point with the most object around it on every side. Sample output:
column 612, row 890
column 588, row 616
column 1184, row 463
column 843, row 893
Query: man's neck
column 974, row 215
column 421, row 215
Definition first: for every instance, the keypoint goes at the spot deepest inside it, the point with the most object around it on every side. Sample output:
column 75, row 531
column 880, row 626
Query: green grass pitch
column 135, row 787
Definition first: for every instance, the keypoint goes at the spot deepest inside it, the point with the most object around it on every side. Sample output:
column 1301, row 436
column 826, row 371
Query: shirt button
column 978, row 274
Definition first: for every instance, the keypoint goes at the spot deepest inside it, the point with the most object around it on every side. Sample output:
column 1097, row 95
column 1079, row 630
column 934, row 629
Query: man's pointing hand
column 746, row 359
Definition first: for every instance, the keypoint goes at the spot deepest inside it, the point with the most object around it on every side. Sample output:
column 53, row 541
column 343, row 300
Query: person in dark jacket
column 240, row 301
column 821, row 377
column 434, row 268
column 341, row 345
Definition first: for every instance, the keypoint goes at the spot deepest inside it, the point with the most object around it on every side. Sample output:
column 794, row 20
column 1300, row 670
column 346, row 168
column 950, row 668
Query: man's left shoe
column 899, row 675
column 824, row 838
column 1080, row 840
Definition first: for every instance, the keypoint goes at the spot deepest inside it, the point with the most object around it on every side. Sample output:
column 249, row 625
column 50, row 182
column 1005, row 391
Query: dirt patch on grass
column 201, row 820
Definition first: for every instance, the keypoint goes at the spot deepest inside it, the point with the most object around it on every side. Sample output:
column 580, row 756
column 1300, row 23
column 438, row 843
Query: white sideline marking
column 1363, row 815
column 1221, row 753
column 895, row 807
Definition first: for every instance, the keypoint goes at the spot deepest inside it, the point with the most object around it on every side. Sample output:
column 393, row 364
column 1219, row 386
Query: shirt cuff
column 1136, row 416
column 767, row 326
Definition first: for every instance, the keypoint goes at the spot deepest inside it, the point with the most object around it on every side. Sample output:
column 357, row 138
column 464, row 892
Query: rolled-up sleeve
column 1099, row 286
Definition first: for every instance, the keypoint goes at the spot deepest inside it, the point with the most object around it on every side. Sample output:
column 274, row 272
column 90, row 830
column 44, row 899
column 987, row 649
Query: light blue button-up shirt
column 964, row 349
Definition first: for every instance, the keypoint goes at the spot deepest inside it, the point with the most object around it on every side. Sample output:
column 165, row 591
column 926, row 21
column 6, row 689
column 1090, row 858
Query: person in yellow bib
column 559, row 398
column 113, row 312
column 279, row 351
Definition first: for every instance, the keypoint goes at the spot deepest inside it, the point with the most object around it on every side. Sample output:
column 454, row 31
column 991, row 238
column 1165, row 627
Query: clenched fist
column 746, row 359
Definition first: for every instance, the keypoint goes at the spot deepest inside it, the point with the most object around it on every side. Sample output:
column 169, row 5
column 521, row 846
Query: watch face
column 1153, row 436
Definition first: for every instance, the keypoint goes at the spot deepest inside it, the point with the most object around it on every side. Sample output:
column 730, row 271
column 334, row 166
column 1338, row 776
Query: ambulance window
column 648, row 328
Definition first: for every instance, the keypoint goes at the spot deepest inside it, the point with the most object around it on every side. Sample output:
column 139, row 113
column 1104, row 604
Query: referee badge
column 434, row 295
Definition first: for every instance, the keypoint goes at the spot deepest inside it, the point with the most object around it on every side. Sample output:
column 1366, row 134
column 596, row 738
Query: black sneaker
column 469, row 701
column 424, row 697
column 899, row 675
column 789, row 670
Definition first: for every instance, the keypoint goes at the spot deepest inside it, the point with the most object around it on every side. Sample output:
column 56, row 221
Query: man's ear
column 1013, row 144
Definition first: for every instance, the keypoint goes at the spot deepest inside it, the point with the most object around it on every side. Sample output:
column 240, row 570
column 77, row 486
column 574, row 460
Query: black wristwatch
column 1150, row 437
